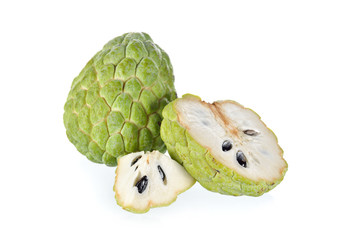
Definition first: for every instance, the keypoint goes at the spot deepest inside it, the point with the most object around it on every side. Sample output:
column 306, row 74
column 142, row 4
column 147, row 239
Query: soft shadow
column 200, row 199
column 196, row 200
column 101, row 180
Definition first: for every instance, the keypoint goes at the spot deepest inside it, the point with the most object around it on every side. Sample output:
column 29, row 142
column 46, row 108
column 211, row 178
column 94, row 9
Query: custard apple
column 224, row 146
column 147, row 180
column 115, row 104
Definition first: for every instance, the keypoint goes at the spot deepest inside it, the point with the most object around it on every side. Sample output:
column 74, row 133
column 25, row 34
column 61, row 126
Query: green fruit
column 115, row 104
column 224, row 146
column 148, row 180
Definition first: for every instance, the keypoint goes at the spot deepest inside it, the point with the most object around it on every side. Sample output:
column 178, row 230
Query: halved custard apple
column 224, row 146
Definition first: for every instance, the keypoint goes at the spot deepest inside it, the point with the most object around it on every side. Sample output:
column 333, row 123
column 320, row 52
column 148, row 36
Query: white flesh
column 211, row 124
column 157, row 192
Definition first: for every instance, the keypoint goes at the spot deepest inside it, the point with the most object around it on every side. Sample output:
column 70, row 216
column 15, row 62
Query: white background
column 284, row 59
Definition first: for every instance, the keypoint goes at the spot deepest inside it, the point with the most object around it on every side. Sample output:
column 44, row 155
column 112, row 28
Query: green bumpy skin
column 115, row 105
column 201, row 165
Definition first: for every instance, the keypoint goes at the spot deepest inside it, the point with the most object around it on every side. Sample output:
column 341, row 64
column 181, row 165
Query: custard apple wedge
column 224, row 146
column 115, row 104
column 147, row 180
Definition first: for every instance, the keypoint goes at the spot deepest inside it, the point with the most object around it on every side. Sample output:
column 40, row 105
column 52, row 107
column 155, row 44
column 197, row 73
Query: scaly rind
column 199, row 162
column 115, row 104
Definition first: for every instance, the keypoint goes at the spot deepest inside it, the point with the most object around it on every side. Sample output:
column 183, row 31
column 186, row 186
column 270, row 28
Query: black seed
column 240, row 157
column 142, row 184
column 162, row 174
column 251, row 132
column 135, row 160
column 226, row 146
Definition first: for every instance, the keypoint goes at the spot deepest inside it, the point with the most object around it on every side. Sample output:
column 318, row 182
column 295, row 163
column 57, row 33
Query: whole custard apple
column 223, row 145
column 115, row 104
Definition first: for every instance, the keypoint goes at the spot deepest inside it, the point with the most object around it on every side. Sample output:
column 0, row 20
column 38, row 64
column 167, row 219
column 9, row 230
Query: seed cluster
column 143, row 182
column 240, row 156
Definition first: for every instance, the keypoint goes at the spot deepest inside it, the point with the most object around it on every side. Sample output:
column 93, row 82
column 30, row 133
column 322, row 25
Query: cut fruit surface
column 146, row 180
column 223, row 145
